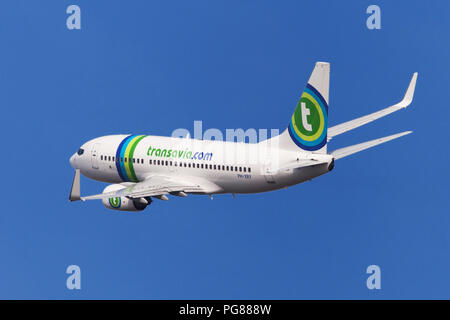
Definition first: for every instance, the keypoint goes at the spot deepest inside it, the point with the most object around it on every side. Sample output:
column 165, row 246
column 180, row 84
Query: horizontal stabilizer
column 344, row 152
column 352, row 124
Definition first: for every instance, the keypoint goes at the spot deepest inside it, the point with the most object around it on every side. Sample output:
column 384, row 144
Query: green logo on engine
column 115, row 202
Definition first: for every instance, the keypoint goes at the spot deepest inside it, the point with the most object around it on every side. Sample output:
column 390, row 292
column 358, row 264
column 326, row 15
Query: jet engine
column 124, row 203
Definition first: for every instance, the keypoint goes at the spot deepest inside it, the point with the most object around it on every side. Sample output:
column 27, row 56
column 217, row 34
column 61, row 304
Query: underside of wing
column 344, row 152
column 157, row 186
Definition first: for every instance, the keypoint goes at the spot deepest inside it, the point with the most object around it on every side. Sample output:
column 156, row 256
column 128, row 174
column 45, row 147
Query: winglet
column 75, row 190
column 409, row 95
column 358, row 122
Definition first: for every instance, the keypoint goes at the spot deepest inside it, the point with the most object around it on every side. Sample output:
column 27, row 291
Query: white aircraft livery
column 141, row 168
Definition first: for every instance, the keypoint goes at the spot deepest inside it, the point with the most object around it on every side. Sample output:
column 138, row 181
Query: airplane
column 141, row 168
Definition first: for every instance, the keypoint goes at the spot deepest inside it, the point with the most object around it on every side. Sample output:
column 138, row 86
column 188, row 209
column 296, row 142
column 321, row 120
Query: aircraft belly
column 302, row 174
column 250, row 184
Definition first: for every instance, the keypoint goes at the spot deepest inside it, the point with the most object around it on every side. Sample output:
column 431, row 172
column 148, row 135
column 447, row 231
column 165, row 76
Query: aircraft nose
column 72, row 160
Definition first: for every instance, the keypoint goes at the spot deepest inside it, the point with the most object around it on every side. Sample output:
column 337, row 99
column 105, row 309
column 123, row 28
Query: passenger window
column 198, row 166
column 231, row 168
column 114, row 158
column 101, row 157
column 235, row 169
column 170, row 162
column 240, row 169
column 228, row 168
column 249, row 170
column 245, row 169
column 215, row 167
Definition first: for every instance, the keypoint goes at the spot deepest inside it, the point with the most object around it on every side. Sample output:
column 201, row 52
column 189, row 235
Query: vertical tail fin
column 308, row 127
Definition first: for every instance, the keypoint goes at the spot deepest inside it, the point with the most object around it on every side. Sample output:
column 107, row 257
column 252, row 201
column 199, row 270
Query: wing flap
column 156, row 186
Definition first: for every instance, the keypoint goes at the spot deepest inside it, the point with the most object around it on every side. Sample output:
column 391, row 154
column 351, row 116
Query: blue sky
column 153, row 66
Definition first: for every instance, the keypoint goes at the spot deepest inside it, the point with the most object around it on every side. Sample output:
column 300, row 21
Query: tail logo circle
column 308, row 126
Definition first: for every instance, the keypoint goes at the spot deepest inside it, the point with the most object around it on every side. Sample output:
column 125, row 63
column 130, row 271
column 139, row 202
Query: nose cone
column 73, row 161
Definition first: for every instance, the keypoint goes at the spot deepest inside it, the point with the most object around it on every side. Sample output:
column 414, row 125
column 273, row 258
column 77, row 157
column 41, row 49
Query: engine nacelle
column 123, row 203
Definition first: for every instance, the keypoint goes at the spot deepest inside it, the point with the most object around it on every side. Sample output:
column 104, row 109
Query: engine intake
column 124, row 203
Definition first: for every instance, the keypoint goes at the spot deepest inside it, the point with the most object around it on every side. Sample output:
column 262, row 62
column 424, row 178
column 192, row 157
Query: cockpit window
column 80, row 151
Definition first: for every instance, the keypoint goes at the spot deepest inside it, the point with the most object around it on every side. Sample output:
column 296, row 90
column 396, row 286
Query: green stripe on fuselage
column 133, row 147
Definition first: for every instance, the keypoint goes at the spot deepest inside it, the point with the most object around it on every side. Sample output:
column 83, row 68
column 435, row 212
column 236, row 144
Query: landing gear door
column 94, row 155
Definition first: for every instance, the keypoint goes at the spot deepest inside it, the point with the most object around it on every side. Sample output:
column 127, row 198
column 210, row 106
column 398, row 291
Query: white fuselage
column 230, row 167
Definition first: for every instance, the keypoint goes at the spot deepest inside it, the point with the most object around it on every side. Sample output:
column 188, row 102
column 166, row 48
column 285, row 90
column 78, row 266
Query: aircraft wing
column 352, row 124
column 344, row 152
column 158, row 186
